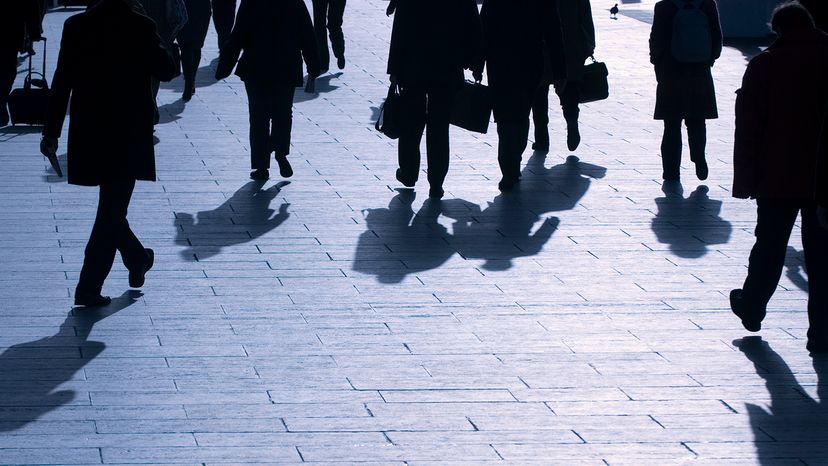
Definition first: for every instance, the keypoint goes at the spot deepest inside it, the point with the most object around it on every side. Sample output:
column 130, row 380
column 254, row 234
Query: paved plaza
column 337, row 318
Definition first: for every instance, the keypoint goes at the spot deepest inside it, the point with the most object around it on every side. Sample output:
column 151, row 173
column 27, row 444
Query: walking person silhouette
column 18, row 18
column 110, row 143
column 327, row 17
column 685, row 41
column 432, row 42
column 272, row 39
column 191, row 40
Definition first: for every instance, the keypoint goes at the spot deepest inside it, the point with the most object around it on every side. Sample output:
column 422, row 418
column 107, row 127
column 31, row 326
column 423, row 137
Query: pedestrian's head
column 790, row 16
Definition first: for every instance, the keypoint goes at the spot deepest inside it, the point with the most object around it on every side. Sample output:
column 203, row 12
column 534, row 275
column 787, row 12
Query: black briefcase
column 390, row 120
column 594, row 85
column 472, row 108
column 27, row 105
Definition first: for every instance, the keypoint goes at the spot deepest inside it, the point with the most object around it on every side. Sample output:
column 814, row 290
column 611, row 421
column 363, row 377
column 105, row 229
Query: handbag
column 390, row 117
column 472, row 107
column 28, row 105
column 594, row 85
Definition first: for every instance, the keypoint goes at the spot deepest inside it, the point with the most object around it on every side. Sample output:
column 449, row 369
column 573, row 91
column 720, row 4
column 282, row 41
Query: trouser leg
column 224, row 15
column 569, row 98
column 775, row 220
column 320, row 20
column 282, row 123
column 336, row 11
column 512, row 140
column 413, row 105
column 190, row 58
column 671, row 150
column 8, row 72
column 696, row 138
column 815, row 243
column 260, row 106
column 110, row 232
column 437, row 134
column 540, row 116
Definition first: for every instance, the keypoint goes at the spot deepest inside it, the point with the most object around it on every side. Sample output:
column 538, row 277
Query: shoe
column 91, row 300
column 260, row 174
column 573, row 137
column 136, row 277
column 323, row 71
column 737, row 305
column 284, row 166
column 541, row 143
column 189, row 90
column 436, row 192
column 340, row 62
column 405, row 181
column 507, row 184
column 701, row 170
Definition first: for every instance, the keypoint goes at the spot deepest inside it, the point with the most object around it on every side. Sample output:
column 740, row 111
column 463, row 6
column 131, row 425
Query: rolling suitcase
column 27, row 105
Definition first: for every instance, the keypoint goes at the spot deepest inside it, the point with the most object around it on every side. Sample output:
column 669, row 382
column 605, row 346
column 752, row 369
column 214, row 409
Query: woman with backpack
column 685, row 41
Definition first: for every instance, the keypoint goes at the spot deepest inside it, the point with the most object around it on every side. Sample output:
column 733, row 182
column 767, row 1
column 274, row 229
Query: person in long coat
column 191, row 40
column 685, row 91
column 579, row 42
column 110, row 141
column 327, row 20
column 518, row 35
column 224, row 15
column 779, row 113
column 432, row 42
column 18, row 19
column 272, row 38
column 822, row 174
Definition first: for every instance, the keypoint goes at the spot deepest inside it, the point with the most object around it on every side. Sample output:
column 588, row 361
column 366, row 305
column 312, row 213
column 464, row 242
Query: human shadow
column 749, row 47
column 399, row 242
column 205, row 235
column 503, row 231
column 7, row 133
column 323, row 86
column 171, row 112
column 33, row 371
column 795, row 427
column 795, row 265
column 689, row 225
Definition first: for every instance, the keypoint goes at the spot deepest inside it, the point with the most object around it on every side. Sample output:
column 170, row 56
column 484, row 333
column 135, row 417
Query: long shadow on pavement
column 689, row 225
column 32, row 372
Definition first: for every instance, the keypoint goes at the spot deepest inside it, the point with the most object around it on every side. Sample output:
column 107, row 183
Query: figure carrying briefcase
column 472, row 108
column 27, row 105
column 594, row 85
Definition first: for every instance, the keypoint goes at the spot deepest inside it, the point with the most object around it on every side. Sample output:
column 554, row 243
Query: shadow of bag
column 472, row 107
column 594, row 85
column 390, row 117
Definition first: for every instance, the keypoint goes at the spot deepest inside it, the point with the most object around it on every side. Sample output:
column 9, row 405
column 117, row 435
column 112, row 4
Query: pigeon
column 614, row 12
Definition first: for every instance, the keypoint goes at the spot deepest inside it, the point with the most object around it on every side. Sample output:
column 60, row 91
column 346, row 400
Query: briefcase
column 472, row 107
column 27, row 105
column 594, row 85
column 390, row 120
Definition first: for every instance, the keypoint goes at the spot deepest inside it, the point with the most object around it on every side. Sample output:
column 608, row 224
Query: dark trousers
column 426, row 108
column 111, row 232
column 271, row 120
column 190, row 58
column 327, row 15
column 671, row 145
column 224, row 15
column 511, row 112
column 8, row 72
column 569, row 99
column 776, row 219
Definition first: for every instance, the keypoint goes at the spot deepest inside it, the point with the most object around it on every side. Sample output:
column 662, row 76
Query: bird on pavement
column 614, row 12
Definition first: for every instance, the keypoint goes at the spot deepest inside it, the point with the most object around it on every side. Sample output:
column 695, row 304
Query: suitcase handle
column 41, row 82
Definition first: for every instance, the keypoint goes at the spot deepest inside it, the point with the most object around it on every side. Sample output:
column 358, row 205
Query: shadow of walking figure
column 796, row 425
column 689, row 225
column 205, row 236
column 32, row 372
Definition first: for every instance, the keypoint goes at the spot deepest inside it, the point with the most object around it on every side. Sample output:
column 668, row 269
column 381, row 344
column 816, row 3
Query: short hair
column 790, row 16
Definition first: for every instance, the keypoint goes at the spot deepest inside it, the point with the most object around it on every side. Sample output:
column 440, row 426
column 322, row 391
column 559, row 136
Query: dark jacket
column 685, row 90
column 779, row 111
column 578, row 35
column 819, row 11
column 108, row 57
column 433, row 41
column 517, row 35
column 195, row 29
column 275, row 36
column 18, row 18
column 822, row 164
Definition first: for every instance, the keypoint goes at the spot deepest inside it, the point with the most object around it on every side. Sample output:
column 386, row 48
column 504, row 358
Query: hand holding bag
column 594, row 85
column 390, row 117
column 472, row 107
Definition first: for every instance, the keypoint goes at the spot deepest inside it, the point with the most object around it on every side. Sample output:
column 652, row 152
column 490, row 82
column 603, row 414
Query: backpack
column 692, row 40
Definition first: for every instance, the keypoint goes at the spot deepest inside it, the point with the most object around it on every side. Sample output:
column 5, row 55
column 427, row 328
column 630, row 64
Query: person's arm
column 751, row 120
column 232, row 48
column 588, row 25
column 822, row 173
column 307, row 40
column 472, row 36
column 715, row 30
column 477, row 68
column 161, row 63
column 659, row 35
column 61, row 85
column 553, row 36
column 32, row 18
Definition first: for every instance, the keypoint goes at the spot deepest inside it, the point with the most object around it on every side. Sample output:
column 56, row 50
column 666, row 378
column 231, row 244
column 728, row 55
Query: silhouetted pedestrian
column 518, row 36
column 822, row 174
column 191, row 40
column 579, row 42
column 327, row 18
column 110, row 134
column 224, row 15
column 685, row 41
column 432, row 42
column 19, row 21
column 274, row 38
column 819, row 11
column 779, row 112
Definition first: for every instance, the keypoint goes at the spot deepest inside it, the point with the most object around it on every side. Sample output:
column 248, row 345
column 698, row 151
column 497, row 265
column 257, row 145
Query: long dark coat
column 17, row 18
column 275, row 36
column 578, row 35
column 822, row 169
column 779, row 111
column 433, row 41
column 685, row 90
column 108, row 57
column 194, row 31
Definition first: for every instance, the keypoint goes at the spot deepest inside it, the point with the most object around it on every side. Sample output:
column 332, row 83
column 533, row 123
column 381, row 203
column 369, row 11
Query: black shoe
column 136, row 277
column 573, row 137
column 436, row 192
column 541, row 143
column 91, row 300
column 323, row 70
column 507, row 184
column 701, row 170
column 260, row 174
column 737, row 305
column 284, row 166
column 340, row 62
column 408, row 183
column 189, row 90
